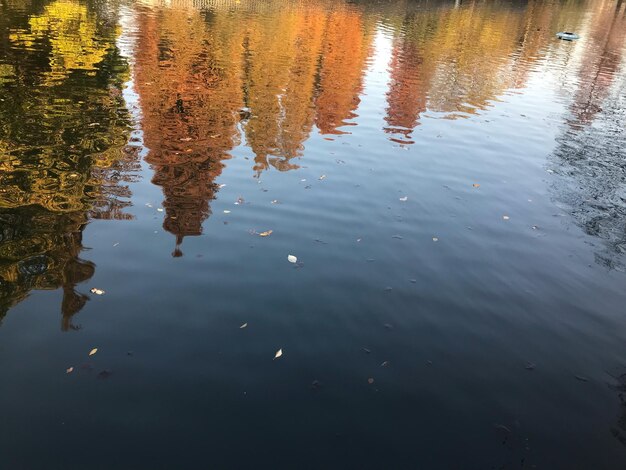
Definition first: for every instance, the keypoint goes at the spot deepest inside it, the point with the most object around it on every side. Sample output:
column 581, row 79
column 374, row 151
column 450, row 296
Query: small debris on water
column 435, row 239
column 505, row 217
column 370, row 381
column 384, row 364
column 322, row 177
column 93, row 351
column 397, row 237
column 278, row 354
column 530, row 366
column 96, row 291
column 366, row 351
column 388, row 326
column 581, row 378
column 266, row 233
column 404, row 199
column 69, row 370
column 476, row 185
column 567, row 36
column 104, row 374
column 292, row 259
column 243, row 326
column 226, row 212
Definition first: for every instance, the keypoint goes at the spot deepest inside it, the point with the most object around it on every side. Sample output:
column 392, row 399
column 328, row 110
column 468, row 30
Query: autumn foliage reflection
column 64, row 158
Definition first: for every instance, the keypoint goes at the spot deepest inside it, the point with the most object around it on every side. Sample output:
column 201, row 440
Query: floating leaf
column 243, row 326
column 435, row 239
column 476, row 185
column 93, row 290
column 278, row 354
column 226, row 212
column 115, row 244
column 505, row 217
column 160, row 209
column 69, row 370
column 275, row 201
column 404, row 199
column 266, row 234
column 322, row 177
column 384, row 364
column 93, row 351
column 292, row 259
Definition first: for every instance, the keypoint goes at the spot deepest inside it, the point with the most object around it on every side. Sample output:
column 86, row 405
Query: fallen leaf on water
column 69, row 370
column 292, row 259
column 266, row 234
column 221, row 185
column 226, row 212
column 243, row 326
column 160, row 209
column 370, row 381
column 384, row 364
column 93, row 290
column 435, row 239
column 476, row 185
column 322, row 177
column 93, row 351
column 115, row 244
column 404, row 199
column 505, row 217
column 278, row 354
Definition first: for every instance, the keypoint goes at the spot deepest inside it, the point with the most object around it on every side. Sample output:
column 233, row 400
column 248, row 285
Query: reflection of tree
column 63, row 154
column 39, row 249
column 347, row 46
column 600, row 63
column 456, row 61
column 281, row 102
column 591, row 151
column 188, row 80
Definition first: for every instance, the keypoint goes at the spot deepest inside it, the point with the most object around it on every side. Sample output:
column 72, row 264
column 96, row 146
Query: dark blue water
column 450, row 178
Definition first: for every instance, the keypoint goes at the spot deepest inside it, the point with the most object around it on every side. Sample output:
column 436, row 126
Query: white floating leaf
column 278, row 354
column 404, row 199
column 93, row 290
column 292, row 259
column 505, row 217
column 226, row 212
column 243, row 326
column 93, row 351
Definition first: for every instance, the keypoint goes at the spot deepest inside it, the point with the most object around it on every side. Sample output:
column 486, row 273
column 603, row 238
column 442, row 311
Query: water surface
column 449, row 175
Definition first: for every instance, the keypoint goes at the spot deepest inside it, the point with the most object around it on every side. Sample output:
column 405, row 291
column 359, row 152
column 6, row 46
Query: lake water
column 448, row 178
